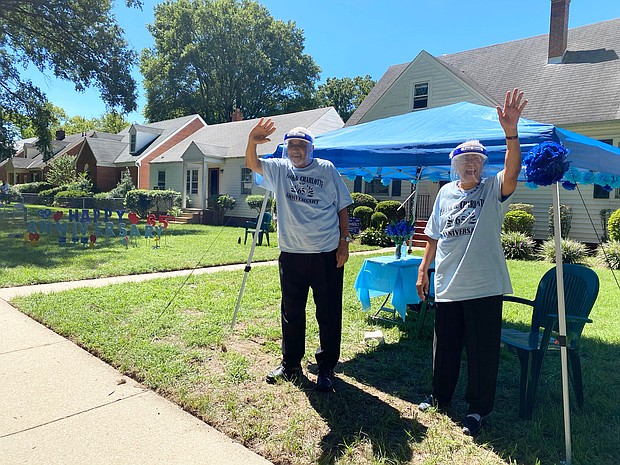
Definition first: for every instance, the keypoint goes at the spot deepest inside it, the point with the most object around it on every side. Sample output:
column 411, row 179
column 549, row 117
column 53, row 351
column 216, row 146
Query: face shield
column 468, row 163
column 298, row 147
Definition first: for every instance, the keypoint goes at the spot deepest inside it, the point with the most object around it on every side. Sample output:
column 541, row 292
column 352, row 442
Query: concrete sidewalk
column 61, row 405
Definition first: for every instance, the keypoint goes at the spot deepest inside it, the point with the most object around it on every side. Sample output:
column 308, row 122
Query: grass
column 188, row 353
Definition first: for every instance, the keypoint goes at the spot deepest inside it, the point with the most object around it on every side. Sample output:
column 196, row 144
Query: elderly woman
column 470, row 269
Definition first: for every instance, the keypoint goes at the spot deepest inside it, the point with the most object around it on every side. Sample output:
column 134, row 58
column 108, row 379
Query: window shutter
column 396, row 187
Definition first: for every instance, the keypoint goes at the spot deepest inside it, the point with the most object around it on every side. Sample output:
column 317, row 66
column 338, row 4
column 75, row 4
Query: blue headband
column 298, row 135
column 468, row 149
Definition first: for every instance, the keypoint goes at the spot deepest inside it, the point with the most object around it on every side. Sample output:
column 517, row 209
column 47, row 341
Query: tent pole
column 562, row 318
column 248, row 266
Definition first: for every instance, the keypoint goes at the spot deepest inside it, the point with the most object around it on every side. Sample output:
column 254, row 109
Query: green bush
column 566, row 218
column 144, row 201
column 32, row 187
column 613, row 225
column 364, row 214
column 390, row 209
column 124, row 185
column 517, row 245
column 519, row 221
column 255, row 202
column 524, row 207
column 225, row 202
column 372, row 236
column 572, row 251
column 378, row 220
column 608, row 255
column 361, row 200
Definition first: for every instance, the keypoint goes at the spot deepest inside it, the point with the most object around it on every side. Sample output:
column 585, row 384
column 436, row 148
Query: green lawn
column 187, row 352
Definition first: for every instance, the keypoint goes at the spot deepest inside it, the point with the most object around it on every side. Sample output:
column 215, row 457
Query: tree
column 345, row 94
column 212, row 56
column 78, row 40
column 61, row 170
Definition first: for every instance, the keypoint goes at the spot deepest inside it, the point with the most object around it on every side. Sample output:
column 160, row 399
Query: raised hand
column 510, row 114
column 261, row 132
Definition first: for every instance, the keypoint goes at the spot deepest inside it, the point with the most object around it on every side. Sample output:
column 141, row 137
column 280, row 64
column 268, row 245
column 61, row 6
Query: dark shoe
column 281, row 373
column 431, row 402
column 325, row 381
column 471, row 425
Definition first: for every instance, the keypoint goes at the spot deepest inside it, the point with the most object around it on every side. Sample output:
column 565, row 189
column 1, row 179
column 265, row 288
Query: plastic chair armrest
column 519, row 300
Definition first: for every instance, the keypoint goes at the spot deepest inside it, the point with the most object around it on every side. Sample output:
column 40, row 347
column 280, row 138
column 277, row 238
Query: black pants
column 475, row 324
column 299, row 273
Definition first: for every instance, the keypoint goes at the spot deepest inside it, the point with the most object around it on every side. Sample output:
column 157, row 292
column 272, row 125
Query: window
column 600, row 193
column 420, row 95
column 617, row 193
column 246, row 181
column 375, row 187
column 161, row 180
column 191, row 182
column 132, row 143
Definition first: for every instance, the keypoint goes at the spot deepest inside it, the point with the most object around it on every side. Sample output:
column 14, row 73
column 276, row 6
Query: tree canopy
column 212, row 56
column 345, row 94
column 78, row 40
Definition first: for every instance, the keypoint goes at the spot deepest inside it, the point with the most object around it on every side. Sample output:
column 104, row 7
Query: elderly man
column 470, row 269
column 313, row 236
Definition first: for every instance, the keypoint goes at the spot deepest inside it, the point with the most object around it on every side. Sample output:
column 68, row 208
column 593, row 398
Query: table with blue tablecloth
column 385, row 275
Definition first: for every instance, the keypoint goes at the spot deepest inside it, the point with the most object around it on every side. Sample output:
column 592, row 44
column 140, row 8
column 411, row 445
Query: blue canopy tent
column 416, row 146
column 395, row 147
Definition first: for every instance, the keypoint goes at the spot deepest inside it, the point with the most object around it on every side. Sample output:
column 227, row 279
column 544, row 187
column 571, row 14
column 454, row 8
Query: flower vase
column 398, row 252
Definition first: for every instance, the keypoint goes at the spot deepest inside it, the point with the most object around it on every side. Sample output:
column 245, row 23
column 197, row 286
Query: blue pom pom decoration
column 546, row 163
column 531, row 185
column 569, row 186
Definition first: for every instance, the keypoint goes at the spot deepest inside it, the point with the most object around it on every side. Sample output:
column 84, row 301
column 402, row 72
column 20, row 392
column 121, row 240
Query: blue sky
column 347, row 38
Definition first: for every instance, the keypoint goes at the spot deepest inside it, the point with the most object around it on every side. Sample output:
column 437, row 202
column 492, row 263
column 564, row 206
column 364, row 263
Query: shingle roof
column 167, row 128
column 584, row 88
column 228, row 140
column 106, row 151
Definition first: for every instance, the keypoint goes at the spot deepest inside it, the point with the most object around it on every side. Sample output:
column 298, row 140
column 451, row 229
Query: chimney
column 60, row 134
column 558, row 30
column 237, row 115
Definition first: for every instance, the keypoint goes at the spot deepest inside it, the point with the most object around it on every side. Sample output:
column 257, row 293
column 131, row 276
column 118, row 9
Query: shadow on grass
column 354, row 415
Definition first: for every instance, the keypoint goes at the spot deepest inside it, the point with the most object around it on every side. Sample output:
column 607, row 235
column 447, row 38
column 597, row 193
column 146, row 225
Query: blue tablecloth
column 384, row 275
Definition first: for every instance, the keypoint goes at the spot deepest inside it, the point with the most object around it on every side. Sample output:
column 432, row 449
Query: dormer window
column 132, row 142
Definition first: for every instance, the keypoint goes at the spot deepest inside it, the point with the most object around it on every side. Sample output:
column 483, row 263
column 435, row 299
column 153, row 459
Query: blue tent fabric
column 396, row 147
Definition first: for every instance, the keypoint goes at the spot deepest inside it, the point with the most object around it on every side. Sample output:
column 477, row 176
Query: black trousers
column 299, row 273
column 476, row 325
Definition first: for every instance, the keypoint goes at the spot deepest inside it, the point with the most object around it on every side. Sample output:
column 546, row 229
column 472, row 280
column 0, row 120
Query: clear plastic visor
column 298, row 151
column 468, row 167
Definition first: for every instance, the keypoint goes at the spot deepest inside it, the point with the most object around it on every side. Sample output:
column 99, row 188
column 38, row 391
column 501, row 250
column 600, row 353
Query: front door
column 214, row 182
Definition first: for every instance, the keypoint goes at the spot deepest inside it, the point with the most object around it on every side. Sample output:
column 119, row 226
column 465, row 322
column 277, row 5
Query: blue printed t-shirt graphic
column 469, row 262
column 308, row 201
column 302, row 188
column 462, row 217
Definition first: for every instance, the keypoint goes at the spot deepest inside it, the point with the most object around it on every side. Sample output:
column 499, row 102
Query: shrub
column 32, row 187
column 144, row 201
column 124, row 185
column 364, row 214
column 524, row 207
column 361, row 200
column 517, row 245
column 572, row 251
column 608, row 255
column 390, row 209
column 225, row 202
column 378, row 220
column 68, row 198
column 255, row 202
column 373, row 236
column 604, row 215
column 519, row 221
column 613, row 225
column 566, row 218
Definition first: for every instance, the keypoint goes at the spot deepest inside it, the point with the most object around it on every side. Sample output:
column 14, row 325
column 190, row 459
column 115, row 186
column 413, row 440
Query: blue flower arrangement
column 569, row 186
column 400, row 231
column 546, row 163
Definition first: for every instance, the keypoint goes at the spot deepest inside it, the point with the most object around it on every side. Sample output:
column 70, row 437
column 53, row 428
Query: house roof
column 585, row 87
column 164, row 128
column 228, row 140
column 106, row 151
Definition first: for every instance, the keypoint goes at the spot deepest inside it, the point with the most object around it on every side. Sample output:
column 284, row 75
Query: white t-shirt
column 308, row 201
column 469, row 262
